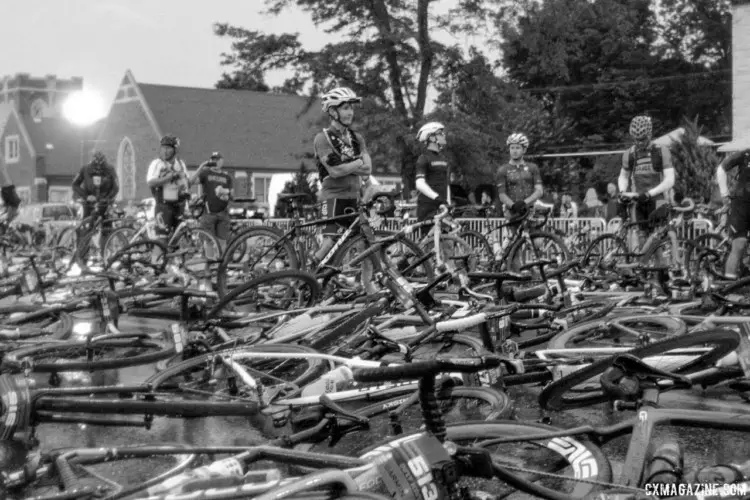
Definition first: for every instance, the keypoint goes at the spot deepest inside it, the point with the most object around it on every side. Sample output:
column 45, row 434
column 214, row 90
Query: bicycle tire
column 188, row 235
column 297, row 274
column 616, row 245
column 481, row 247
column 674, row 326
column 426, row 270
column 14, row 360
column 60, row 329
column 499, row 406
column 121, row 232
column 315, row 369
column 587, row 460
column 127, row 249
column 695, row 250
column 553, row 397
column 239, row 241
column 536, row 236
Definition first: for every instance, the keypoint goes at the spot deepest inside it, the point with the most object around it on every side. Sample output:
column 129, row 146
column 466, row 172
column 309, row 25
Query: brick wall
column 741, row 71
column 130, row 120
column 23, row 172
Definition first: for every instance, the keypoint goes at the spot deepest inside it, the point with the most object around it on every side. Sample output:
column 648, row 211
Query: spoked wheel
column 682, row 355
column 122, row 471
column 116, row 241
column 142, row 259
column 549, row 468
column 543, row 246
column 253, row 252
column 279, row 291
column 604, row 252
column 626, row 331
column 200, row 246
column 213, row 377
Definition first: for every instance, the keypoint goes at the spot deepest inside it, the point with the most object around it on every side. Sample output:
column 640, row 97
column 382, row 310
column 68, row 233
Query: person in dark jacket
column 97, row 187
column 8, row 193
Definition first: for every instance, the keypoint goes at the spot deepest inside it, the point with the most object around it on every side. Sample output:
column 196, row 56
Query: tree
column 386, row 55
column 243, row 81
column 603, row 61
column 302, row 182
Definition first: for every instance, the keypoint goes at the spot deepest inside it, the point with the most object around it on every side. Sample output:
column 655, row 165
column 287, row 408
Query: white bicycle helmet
column 337, row 97
column 517, row 138
column 640, row 127
column 428, row 129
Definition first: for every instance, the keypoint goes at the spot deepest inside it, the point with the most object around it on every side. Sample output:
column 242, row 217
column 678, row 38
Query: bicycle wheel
column 604, row 251
column 402, row 415
column 141, row 259
column 581, row 388
column 201, row 246
column 116, row 241
column 256, row 250
column 403, row 253
column 481, row 248
column 543, row 245
column 205, row 376
column 282, row 290
column 622, row 331
column 706, row 252
column 548, row 468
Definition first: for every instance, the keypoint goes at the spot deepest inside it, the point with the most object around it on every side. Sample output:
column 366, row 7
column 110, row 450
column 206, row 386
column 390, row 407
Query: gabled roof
column 61, row 143
column 250, row 129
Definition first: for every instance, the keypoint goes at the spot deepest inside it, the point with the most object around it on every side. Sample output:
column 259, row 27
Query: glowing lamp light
column 84, row 108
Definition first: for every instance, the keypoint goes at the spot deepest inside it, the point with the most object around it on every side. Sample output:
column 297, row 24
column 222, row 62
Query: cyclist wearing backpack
column 649, row 166
column 343, row 161
column 739, row 207
column 168, row 180
column 519, row 183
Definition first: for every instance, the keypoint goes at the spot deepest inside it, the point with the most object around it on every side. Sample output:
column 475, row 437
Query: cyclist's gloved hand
column 440, row 200
column 726, row 201
column 91, row 198
column 643, row 197
column 519, row 207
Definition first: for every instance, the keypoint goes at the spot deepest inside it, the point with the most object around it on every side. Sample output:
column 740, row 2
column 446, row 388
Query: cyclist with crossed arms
column 343, row 162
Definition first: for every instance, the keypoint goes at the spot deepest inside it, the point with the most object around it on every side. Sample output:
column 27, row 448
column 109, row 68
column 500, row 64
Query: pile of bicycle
column 383, row 370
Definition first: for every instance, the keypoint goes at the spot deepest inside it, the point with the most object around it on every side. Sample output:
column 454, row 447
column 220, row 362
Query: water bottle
column 332, row 381
column 665, row 465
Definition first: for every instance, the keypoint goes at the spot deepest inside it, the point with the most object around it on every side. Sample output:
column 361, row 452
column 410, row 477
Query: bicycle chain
column 568, row 478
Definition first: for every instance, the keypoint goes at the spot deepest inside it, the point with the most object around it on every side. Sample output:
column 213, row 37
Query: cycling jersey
column 96, row 180
column 338, row 149
column 647, row 166
column 211, row 180
column 169, row 192
column 434, row 169
column 741, row 160
column 518, row 181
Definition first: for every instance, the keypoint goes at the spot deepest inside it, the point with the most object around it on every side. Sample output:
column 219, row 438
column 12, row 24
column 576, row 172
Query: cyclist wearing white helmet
column 650, row 169
column 519, row 183
column 432, row 172
column 342, row 159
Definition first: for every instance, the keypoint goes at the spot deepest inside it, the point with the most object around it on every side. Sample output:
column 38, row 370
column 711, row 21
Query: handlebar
column 685, row 208
column 430, row 368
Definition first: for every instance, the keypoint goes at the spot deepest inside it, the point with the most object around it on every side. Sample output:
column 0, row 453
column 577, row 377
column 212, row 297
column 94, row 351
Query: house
column 259, row 134
column 41, row 149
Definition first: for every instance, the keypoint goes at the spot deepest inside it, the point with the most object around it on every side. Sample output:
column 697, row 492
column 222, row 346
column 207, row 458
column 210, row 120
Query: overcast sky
column 161, row 41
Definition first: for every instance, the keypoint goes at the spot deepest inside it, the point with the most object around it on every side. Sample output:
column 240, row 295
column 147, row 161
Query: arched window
column 126, row 170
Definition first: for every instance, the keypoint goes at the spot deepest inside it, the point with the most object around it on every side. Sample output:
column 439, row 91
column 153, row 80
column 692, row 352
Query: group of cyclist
column 96, row 186
column 344, row 164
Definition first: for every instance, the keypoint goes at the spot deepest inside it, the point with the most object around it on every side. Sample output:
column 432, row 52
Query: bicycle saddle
column 627, row 366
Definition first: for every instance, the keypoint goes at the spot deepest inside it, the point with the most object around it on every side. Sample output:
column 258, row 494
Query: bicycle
column 292, row 248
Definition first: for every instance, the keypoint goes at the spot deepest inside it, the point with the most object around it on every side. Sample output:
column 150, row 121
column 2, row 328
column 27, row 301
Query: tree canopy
column 571, row 75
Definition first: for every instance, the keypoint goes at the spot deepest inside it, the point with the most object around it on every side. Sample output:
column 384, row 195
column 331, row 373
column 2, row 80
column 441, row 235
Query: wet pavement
column 701, row 447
